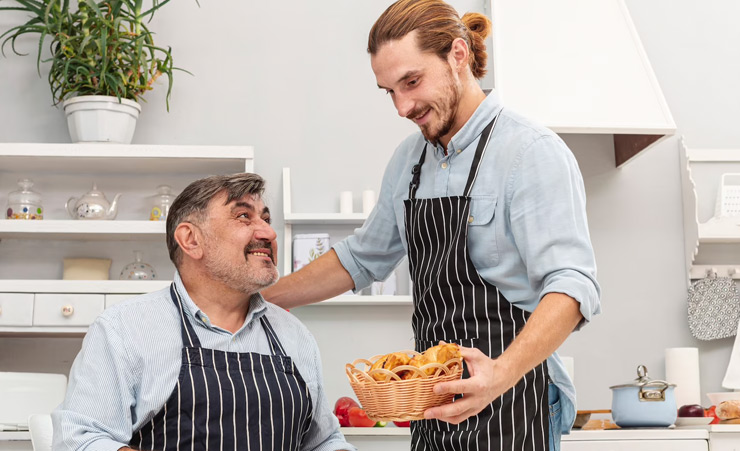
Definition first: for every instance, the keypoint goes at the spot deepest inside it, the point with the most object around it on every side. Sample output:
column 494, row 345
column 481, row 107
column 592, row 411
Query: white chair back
column 41, row 431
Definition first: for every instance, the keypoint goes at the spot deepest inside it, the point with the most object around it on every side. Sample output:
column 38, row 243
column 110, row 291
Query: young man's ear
column 189, row 239
column 459, row 54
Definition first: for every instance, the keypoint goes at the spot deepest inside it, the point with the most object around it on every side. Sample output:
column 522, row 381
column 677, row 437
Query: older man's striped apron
column 229, row 400
column 452, row 302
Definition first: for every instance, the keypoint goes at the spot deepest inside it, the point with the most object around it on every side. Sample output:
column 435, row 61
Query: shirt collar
column 257, row 306
column 472, row 129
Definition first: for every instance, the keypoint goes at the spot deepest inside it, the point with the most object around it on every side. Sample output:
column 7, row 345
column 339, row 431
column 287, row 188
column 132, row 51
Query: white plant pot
column 101, row 119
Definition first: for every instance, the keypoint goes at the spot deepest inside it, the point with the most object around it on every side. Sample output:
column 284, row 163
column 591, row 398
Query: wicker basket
column 396, row 399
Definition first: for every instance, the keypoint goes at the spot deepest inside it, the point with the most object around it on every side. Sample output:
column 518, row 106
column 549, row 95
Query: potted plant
column 103, row 59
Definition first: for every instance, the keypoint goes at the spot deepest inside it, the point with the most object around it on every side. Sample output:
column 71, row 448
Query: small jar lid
column 25, row 195
column 164, row 195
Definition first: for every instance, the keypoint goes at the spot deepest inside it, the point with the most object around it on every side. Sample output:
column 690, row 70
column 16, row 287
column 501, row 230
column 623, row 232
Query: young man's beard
column 446, row 109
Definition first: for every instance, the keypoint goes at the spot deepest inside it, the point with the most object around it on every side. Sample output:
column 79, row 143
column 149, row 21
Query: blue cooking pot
column 644, row 402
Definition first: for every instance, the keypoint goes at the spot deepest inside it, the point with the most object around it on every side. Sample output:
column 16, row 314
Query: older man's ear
column 189, row 238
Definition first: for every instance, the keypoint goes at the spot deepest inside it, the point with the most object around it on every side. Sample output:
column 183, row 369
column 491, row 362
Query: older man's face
column 240, row 246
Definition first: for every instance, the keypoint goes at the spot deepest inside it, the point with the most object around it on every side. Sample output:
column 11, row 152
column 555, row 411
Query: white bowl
column 693, row 421
column 716, row 398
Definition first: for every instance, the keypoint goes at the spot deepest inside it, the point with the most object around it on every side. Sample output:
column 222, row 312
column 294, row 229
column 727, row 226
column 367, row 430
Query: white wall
column 293, row 79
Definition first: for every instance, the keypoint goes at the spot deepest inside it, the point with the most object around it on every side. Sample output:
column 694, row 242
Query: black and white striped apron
column 230, row 400
column 452, row 302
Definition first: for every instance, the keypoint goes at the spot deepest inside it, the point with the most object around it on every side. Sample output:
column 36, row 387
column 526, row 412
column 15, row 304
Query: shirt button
column 470, row 219
column 444, row 165
column 459, row 151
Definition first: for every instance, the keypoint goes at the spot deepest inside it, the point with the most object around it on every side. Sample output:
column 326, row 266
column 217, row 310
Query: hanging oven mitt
column 714, row 308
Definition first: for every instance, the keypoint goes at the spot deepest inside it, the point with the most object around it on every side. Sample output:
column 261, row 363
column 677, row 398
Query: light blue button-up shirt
column 131, row 358
column 528, row 231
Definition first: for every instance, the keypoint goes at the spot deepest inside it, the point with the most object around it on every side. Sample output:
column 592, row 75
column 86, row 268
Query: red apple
column 691, row 410
column 402, row 424
column 341, row 409
column 358, row 418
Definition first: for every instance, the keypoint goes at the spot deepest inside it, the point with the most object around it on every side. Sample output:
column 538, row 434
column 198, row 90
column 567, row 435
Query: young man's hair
column 437, row 25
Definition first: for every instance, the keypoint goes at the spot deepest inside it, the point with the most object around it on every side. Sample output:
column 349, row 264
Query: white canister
column 345, row 202
column 308, row 247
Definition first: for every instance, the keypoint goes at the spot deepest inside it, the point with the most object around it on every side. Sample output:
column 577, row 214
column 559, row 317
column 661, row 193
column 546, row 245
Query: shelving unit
column 27, row 305
column 700, row 171
column 326, row 219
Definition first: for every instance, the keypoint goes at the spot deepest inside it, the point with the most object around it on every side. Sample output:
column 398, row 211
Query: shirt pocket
column 482, row 233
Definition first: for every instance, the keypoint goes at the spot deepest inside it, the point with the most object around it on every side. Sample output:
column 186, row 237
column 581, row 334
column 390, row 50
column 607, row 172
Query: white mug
column 345, row 202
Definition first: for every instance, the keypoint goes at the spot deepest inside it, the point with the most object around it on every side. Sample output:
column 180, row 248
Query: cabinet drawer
column 16, row 309
column 635, row 445
column 52, row 309
column 113, row 299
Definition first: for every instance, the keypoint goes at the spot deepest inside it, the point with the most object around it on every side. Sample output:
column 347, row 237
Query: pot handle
column 653, row 395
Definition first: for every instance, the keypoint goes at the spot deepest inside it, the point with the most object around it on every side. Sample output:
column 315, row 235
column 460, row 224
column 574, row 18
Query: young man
column 490, row 209
column 205, row 363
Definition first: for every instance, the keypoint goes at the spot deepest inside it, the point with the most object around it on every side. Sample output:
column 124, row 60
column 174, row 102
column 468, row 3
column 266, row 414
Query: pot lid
column 643, row 380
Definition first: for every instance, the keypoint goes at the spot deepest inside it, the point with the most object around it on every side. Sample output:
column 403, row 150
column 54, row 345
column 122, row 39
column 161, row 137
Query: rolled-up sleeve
column 549, row 223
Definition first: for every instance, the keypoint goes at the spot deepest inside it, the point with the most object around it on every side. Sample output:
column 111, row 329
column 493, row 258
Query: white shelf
column 87, row 230
column 120, row 158
column 377, row 431
column 82, row 286
column 355, row 300
column 713, row 231
column 325, row 218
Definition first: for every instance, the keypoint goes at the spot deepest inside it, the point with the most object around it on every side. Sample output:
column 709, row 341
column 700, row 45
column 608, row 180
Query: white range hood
column 578, row 66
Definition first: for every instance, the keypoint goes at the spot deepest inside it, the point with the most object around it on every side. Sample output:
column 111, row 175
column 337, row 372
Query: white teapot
column 92, row 205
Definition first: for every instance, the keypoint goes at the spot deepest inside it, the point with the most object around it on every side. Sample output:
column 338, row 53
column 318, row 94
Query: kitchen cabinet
column 33, row 298
column 591, row 76
column 710, row 243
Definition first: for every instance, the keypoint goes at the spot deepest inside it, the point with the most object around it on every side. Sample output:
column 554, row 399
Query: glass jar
column 138, row 269
column 161, row 203
column 24, row 203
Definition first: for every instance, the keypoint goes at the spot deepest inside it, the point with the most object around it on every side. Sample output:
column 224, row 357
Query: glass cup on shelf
column 24, row 203
column 138, row 269
column 161, row 203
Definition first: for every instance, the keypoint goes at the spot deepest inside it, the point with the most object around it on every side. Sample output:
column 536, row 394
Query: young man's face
column 240, row 247
column 423, row 86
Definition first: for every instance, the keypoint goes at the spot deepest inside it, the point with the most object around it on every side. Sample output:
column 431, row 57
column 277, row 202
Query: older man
column 205, row 363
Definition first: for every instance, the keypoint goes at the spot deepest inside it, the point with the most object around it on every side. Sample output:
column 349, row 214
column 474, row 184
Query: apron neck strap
column 416, row 174
column 189, row 338
column 479, row 152
column 275, row 346
column 475, row 166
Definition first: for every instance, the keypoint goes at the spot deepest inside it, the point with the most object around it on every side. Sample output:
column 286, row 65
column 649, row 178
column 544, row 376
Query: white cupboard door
column 55, row 309
column 635, row 445
column 724, row 441
column 16, row 309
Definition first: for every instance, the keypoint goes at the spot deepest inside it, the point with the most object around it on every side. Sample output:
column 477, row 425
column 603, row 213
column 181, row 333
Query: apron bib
column 230, row 400
column 452, row 302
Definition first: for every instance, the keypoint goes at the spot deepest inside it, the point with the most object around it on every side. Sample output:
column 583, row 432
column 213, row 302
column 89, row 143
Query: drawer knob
column 68, row 310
